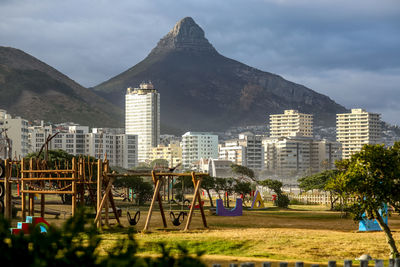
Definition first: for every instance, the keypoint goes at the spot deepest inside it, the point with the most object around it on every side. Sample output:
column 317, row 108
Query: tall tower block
column 142, row 117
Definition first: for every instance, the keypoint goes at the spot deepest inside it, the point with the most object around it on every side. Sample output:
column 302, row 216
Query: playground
column 307, row 233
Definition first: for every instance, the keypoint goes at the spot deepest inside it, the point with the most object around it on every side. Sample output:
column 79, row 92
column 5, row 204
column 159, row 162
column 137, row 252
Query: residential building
column 17, row 132
column 291, row 123
column 293, row 157
column 197, row 145
column 120, row 149
column 247, row 151
column 356, row 129
column 171, row 152
column 142, row 117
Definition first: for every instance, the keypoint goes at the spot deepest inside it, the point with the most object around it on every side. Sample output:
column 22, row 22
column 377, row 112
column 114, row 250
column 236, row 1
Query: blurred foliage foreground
column 77, row 243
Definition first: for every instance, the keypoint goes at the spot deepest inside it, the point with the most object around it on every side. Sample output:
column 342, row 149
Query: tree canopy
column 243, row 171
column 317, row 181
column 372, row 177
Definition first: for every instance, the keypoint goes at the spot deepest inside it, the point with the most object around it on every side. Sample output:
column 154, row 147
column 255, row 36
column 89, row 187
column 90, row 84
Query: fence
column 311, row 199
column 346, row 263
column 316, row 199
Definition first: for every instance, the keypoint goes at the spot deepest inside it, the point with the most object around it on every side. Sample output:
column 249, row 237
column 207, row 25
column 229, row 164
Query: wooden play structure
column 84, row 179
column 80, row 179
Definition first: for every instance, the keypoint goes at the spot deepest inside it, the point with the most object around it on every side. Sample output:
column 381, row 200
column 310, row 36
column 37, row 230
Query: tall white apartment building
column 247, row 151
column 121, row 149
column 197, row 145
column 142, row 117
column 17, row 131
column 289, row 157
column 291, row 123
column 356, row 129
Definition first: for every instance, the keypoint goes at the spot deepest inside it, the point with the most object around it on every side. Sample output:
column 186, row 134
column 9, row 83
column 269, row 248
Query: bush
column 77, row 244
column 282, row 201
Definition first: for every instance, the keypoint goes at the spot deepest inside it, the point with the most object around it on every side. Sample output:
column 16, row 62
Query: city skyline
column 347, row 51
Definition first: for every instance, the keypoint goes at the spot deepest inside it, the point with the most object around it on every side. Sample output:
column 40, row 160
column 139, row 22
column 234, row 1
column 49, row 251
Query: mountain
column 203, row 90
column 33, row 90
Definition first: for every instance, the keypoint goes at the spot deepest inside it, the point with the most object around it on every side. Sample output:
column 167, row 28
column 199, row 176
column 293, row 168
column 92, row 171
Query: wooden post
column 103, row 201
column 42, row 196
column 155, row 195
column 23, row 195
column 106, row 217
column 31, row 195
column 161, row 206
column 196, row 196
column 99, row 187
column 203, row 215
column 73, row 189
column 7, row 191
column 82, row 183
column 168, row 181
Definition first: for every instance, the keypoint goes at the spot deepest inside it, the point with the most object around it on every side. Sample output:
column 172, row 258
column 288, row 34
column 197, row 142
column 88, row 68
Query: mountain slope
column 34, row 90
column 203, row 90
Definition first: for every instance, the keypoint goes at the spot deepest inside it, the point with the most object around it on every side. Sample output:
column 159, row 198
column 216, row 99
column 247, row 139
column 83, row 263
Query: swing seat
column 176, row 221
column 135, row 219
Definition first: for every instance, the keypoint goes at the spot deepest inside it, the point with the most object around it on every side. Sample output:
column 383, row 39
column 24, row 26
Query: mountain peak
column 185, row 35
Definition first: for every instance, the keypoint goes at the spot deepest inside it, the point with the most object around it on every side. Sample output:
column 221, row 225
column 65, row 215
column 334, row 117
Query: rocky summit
column 203, row 90
column 185, row 36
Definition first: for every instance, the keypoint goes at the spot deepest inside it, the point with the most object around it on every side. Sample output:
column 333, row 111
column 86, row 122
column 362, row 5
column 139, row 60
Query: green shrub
column 77, row 244
column 282, row 201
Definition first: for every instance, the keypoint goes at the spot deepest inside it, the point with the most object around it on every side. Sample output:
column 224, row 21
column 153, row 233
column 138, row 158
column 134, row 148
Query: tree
column 320, row 181
column 243, row 171
column 276, row 186
column 208, row 183
column 242, row 188
column 219, row 186
column 143, row 189
column 372, row 177
column 159, row 163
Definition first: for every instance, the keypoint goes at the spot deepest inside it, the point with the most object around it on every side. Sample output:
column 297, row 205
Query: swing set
column 159, row 179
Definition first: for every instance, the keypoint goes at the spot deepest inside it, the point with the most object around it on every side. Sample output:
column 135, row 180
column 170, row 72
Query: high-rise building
column 142, row 117
column 197, row 145
column 291, row 123
column 356, row 129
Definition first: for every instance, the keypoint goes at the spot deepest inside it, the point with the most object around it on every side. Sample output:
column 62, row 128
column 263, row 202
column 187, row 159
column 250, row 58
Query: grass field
column 301, row 233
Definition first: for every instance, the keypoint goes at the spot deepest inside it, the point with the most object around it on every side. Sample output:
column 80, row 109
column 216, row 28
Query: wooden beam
column 161, row 206
column 99, row 187
column 31, row 195
column 155, row 195
column 103, row 201
column 73, row 188
column 196, row 196
column 46, row 192
column 46, row 171
column 23, row 195
column 7, row 191
column 203, row 215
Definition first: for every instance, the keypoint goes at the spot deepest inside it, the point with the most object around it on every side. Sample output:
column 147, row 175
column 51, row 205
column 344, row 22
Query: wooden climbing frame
column 36, row 178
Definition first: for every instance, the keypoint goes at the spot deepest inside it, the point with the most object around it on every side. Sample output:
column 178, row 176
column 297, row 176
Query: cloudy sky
column 348, row 50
